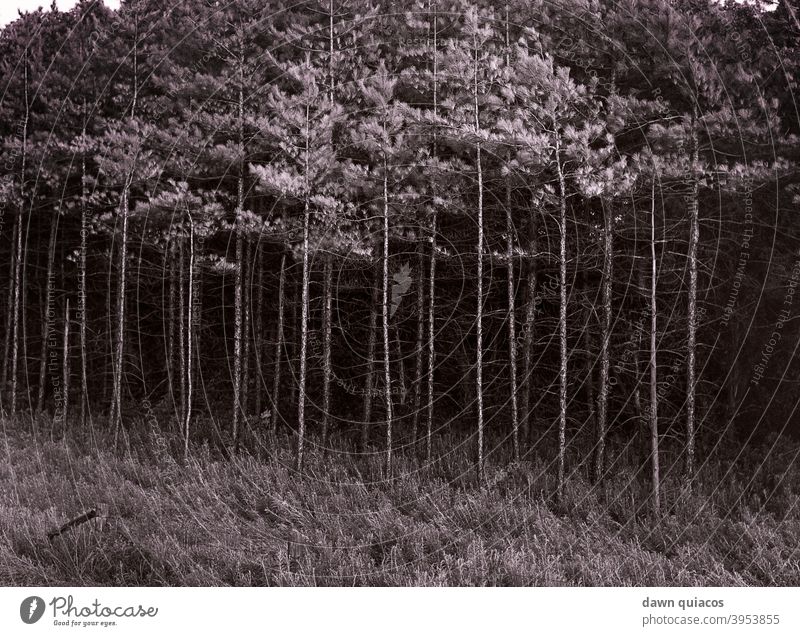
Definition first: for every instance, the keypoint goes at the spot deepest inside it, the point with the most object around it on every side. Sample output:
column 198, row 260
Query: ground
column 253, row 521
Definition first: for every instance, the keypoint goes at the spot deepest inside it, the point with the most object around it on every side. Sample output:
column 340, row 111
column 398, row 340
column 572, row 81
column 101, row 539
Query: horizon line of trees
column 564, row 229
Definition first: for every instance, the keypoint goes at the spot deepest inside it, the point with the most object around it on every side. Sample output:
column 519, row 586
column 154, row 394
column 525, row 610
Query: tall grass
column 252, row 520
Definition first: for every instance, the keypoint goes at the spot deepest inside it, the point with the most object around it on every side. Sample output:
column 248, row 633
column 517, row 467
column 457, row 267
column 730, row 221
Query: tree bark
column 530, row 320
column 432, row 270
column 259, row 329
column 512, row 322
column 119, row 346
column 82, row 291
column 182, row 323
column 301, row 401
column 18, row 289
column 121, row 291
column 326, row 349
column 276, row 374
column 48, row 314
column 479, row 310
column 65, row 371
column 655, row 474
column 420, row 344
column 238, row 318
column 189, row 342
column 387, row 377
column 694, row 237
column 371, row 346
column 247, row 331
column 9, row 311
column 171, row 328
column 602, row 420
column 562, row 327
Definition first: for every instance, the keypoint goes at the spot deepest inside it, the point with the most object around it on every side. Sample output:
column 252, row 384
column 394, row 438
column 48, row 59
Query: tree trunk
column 512, row 322
column 82, row 291
column 602, row 420
column 276, row 374
column 420, row 344
column 247, row 331
column 301, row 400
column 189, row 342
column 238, row 318
column 479, row 310
column 326, row 349
column 18, row 288
column 259, row 329
column 49, row 311
column 119, row 347
column 655, row 475
column 9, row 312
column 171, row 328
column 65, row 371
column 694, row 237
column 562, row 328
column 431, row 338
column 371, row 346
column 530, row 320
column 182, row 323
column 432, row 271
column 387, row 377
column 512, row 313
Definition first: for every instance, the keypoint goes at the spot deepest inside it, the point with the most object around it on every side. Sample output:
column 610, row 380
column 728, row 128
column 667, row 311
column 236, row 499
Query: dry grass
column 254, row 521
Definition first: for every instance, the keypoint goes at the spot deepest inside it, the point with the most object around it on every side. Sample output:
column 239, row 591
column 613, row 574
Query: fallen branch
column 73, row 523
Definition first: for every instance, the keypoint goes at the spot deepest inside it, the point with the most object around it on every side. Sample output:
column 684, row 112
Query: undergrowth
column 252, row 520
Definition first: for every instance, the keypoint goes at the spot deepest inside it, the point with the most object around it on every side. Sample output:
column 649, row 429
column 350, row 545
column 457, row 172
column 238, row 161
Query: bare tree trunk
column 276, row 374
column 387, row 377
column 238, row 318
column 590, row 388
column 431, row 338
column 16, row 313
column 49, row 312
column 173, row 285
column 9, row 311
column 326, row 348
column 562, row 327
column 530, row 319
column 259, row 329
column 301, row 401
column 432, row 271
column 116, row 407
column 602, row 421
column 65, row 370
column 371, row 346
column 512, row 322
column 420, row 344
column 655, row 478
column 18, row 289
column 330, row 51
column 512, row 313
column 479, row 310
column 82, row 291
column 190, row 314
column 247, row 330
column 694, row 237
column 182, row 323
column 121, row 291
column 328, row 273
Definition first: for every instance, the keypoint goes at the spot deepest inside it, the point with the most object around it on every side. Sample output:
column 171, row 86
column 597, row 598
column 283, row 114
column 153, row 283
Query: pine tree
column 301, row 126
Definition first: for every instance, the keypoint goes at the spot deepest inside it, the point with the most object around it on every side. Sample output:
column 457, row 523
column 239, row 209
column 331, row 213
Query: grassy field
column 253, row 521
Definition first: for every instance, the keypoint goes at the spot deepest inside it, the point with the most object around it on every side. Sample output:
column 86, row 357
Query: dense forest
column 510, row 230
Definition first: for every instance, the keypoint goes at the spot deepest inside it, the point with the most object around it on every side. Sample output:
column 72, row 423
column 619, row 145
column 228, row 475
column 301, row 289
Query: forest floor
column 254, row 521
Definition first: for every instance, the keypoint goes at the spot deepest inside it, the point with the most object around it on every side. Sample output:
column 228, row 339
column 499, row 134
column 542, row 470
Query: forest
column 355, row 270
